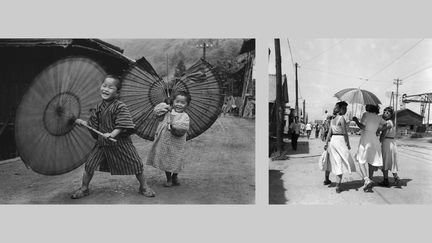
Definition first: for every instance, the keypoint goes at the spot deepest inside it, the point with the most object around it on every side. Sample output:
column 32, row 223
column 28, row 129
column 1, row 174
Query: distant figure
column 224, row 108
column 308, row 130
column 369, row 148
column 317, row 130
column 389, row 148
column 295, row 132
column 338, row 146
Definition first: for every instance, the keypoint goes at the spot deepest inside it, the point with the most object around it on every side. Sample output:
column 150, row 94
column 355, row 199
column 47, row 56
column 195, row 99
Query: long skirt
column 340, row 157
column 389, row 154
column 369, row 149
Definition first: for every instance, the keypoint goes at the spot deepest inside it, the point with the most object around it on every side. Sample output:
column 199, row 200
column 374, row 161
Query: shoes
column 80, row 193
column 396, row 180
column 368, row 185
column 384, row 183
column 327, row 182
column 338, row 189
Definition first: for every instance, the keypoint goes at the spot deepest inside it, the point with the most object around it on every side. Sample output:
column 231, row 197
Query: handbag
column 324, row 161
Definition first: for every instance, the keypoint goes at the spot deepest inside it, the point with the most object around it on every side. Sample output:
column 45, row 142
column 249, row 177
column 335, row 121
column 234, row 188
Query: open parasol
column 46, row 137
column 142, row 91
column 357, row 96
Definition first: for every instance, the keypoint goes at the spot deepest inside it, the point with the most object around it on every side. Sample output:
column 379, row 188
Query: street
column 298, row 180
column 219, row 169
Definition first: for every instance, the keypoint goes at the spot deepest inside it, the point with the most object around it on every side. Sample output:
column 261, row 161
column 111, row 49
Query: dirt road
column 219, row 169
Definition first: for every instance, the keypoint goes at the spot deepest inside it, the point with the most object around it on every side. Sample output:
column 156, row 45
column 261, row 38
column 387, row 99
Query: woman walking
column 369, row 148
column 338, row 146
column 389, row 149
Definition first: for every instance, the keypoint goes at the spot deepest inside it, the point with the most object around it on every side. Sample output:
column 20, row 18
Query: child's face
column 180, row 103
column 108, row 89
column 387, row 114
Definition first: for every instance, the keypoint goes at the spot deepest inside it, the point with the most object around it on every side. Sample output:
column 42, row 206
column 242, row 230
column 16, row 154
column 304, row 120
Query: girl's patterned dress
column 168, row 149
column 121, row 157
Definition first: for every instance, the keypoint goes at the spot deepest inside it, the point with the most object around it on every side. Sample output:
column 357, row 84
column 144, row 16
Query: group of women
column 376, row 149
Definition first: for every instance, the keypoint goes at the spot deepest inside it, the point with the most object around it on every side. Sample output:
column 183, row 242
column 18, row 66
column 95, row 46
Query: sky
column 330, row 65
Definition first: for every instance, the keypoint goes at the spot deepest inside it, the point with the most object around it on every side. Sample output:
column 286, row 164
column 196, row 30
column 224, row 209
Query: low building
column 408, row 121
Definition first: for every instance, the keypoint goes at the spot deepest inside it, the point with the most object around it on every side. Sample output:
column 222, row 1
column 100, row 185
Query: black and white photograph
column 349, row 121
column 127, row 121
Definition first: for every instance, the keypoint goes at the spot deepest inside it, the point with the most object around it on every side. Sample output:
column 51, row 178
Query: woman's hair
column 168, row 101
column 338, row 107
column 185, row 94
column 372, row 109
column 390, row 109
column 118, row 83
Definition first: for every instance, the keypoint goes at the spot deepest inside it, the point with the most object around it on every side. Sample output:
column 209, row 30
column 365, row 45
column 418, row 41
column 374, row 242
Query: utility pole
column 296, row 89
column 397, row 82
column 304, row 111
column 279, row 139
column 204, row 45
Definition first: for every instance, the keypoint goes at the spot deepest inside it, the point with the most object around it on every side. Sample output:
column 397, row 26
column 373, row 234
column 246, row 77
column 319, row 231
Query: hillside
column 156, row 51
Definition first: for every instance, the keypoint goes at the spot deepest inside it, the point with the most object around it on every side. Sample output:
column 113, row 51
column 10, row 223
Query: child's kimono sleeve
column 93, row 122
column 123, row 120
column 180, row 125
column 161, row 109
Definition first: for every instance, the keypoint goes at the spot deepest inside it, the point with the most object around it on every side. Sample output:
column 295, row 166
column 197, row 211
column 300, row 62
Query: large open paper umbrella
column 142, row 91
column 357, row 96
column 46, row 137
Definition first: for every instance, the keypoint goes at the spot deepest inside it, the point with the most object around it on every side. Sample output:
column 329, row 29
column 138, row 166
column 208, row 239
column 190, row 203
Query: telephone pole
column 204, row 45
column 296, row 90
column 279, row 139
column 304, row 111
column 397, row 82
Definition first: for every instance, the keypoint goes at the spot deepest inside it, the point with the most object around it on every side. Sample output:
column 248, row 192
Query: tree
column 180, row 69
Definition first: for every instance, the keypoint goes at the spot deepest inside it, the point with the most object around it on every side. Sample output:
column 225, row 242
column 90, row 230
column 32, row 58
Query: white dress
column 369, row 149
column 340, row 157
column 389, row 149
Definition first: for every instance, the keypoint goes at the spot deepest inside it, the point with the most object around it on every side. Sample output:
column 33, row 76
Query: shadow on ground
column 302, row 147
column 276, row 188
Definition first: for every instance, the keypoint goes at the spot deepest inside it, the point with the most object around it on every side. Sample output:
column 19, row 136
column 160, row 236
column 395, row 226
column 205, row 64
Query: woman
column 369, row 148
column 338, row 148
column 295, row 129
column 389, row 150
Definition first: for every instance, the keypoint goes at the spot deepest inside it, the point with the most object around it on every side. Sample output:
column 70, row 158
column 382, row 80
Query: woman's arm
column 329, row 134
column 344, row 131
column 359, row 124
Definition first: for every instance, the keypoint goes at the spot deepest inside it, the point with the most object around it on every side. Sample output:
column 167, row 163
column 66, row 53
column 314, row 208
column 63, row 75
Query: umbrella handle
column 96, row 131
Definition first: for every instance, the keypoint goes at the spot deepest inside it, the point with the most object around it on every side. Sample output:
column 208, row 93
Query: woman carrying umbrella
column 369, row 148
column 338, row 148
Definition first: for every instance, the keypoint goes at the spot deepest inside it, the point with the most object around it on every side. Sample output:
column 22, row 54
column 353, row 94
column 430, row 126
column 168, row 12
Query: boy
column 113, row 119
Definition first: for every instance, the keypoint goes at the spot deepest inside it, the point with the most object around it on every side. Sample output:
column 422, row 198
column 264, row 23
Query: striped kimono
column 167, row 152
column 121, row 157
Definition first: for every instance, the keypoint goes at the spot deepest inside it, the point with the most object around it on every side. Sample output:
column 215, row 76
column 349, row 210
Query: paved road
column 298, row 180
column 219, row 169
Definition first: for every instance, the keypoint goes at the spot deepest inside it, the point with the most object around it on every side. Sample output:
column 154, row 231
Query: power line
column 417, row 72
column 397, row 58
column 326, row 50
column 292, row 59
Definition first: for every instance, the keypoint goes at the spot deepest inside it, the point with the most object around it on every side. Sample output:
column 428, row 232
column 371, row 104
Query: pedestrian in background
column 308, row 130
column 295, row 132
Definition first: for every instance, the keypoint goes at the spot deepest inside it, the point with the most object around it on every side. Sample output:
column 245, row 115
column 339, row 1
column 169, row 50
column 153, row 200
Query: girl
column 112, row 118
column 168, row 148
column 369, row 148
column 389, row 150
column 338, row 148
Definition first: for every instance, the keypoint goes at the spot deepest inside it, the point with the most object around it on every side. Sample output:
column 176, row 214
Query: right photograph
column 349, row 121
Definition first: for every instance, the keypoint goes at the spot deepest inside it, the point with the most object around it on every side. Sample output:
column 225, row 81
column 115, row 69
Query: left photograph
column 127, row 121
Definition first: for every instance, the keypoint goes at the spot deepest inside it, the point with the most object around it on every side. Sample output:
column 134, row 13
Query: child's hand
column 107, row 135
column 80, row 122
column 355, row 119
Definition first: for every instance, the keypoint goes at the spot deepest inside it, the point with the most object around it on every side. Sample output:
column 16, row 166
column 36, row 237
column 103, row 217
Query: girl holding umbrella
column 338, row 146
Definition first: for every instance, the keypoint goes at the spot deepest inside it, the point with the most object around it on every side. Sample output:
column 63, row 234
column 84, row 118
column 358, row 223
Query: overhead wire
column 326, row 50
